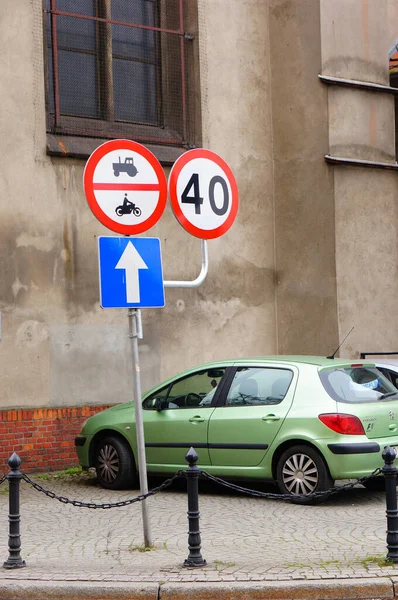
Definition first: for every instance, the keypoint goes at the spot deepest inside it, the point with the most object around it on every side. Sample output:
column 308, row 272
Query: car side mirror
column 161, row 404
column 158, row 404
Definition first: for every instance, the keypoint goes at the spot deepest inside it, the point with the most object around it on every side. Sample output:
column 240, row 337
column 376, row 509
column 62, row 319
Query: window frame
column 229, row 379
column 393, row 82
column 168, row 387
column 79, row 136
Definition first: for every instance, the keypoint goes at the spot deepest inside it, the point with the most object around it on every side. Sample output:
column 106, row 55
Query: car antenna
column 337, row 349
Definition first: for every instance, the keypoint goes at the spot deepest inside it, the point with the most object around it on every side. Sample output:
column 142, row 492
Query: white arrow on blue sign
column 130, row 272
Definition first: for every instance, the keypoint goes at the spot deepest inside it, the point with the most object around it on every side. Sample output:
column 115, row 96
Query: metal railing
column 365, row 354
column 192, row 474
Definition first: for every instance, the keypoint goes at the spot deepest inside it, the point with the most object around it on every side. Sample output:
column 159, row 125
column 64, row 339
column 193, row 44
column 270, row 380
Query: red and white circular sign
column 125, row 186
column 203, row 193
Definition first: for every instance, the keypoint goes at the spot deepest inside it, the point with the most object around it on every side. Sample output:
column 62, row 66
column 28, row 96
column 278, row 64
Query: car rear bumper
column 351, row 460
column 361, row 448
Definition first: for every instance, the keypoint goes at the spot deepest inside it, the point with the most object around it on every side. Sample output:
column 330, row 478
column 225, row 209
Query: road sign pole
column 134, row 327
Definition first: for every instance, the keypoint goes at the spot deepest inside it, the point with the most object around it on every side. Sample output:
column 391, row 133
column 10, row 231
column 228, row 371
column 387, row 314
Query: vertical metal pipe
column 54, row 51
column 107, row 93
column 390, row 475
column 14, row 560
column 139, row 425
column 203, row 271
column 195, row 558
column 183, row 83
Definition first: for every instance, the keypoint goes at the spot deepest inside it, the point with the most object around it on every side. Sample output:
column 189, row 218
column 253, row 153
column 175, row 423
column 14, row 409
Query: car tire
column 114, row 464
column 301, row 470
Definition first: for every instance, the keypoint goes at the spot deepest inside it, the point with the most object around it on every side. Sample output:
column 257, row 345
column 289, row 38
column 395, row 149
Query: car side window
column 155, row 399
column 391, row 375
column 195, row 391
column 394, row 378
column 254, row 386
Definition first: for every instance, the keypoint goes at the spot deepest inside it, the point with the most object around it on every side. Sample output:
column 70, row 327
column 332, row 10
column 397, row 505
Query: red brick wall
column 43, row 438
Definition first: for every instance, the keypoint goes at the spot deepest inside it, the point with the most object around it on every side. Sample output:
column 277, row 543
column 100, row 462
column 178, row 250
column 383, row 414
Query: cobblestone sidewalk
column 243, row 539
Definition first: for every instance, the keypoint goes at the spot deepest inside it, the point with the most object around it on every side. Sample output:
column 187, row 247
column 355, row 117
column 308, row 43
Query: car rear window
column 356, row 384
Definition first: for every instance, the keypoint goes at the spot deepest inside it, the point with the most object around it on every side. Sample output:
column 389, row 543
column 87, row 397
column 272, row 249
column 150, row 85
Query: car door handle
column 271, row 418
column 196, row 419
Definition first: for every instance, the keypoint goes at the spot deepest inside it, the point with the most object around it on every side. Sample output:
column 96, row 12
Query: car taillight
column 341, row 423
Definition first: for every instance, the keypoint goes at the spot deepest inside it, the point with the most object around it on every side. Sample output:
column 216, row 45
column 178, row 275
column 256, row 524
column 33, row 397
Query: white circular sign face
column 125, row 186
column 203, row 193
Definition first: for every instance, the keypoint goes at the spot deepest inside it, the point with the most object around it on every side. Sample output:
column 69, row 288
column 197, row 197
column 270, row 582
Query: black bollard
column 14, row 560
column 390, row 475
column 195, row 559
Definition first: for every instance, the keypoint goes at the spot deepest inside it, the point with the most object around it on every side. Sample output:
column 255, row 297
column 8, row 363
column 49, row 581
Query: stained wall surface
column 58, row 347
column 357, row 38
column 303, row 183
column 313, row 250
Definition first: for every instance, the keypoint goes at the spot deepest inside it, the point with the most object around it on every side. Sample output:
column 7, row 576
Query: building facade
column 294, row 94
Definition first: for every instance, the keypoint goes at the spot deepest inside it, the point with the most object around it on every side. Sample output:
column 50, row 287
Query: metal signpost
column 125, row 186
column 126, row 190
column 130, row 271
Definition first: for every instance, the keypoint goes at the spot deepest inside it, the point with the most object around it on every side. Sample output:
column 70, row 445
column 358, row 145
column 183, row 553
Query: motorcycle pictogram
column 127, row 208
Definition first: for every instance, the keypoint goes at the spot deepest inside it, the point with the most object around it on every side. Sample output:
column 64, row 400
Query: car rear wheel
column 302, row 471
column 114, row 464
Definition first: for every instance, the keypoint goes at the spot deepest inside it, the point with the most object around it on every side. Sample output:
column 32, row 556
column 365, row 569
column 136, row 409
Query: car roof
column 318, row 361
column 386, row 361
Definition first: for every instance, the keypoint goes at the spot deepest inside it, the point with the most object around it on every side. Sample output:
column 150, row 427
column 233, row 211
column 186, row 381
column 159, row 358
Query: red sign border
column 88, row 183
column 185, row 158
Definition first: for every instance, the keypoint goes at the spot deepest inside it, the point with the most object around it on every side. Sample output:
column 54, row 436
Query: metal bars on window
column 116, row 65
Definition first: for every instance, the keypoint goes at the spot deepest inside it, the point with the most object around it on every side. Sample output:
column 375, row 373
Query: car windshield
column 357, row 384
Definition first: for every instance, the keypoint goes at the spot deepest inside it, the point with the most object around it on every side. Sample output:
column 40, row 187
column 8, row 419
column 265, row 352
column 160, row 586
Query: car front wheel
column 114, row 464
column 302, row 471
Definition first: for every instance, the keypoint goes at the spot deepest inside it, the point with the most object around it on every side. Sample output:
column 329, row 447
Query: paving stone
column 244, row 539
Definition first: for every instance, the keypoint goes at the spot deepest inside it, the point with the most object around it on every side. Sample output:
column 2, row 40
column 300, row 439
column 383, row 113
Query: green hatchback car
column 299, row 421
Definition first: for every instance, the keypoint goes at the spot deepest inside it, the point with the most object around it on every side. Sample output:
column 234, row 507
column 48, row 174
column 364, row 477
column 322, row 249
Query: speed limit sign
column 203, row 193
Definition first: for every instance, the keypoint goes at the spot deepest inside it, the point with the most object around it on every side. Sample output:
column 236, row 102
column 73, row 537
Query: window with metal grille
column 393, row 64
column 122, row 68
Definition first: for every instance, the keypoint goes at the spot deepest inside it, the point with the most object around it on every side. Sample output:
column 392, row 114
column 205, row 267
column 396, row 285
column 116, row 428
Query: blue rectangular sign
column 130, row 272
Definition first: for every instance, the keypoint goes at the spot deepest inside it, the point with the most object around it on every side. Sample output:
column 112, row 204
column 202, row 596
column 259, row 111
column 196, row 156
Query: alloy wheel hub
column 108, row 463
column 300, row 474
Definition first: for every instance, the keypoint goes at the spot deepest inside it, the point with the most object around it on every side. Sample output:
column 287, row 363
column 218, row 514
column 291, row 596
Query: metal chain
column 139, row 498
column 288, row 497
column 204, row 475
column 2, row 480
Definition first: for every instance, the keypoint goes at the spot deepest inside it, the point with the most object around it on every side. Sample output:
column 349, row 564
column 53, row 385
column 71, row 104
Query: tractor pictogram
column 127, row 166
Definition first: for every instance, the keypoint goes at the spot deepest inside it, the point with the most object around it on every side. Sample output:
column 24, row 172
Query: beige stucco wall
column 357, row 36
column 304, row 198
column 58, row 347
column 313, row 250
column 236, row 93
